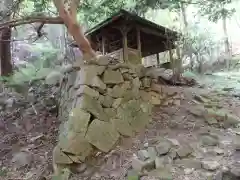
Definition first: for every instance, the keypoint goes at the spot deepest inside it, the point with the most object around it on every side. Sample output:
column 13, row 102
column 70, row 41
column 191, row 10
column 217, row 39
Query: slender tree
column 217, row 10
column 5, row 38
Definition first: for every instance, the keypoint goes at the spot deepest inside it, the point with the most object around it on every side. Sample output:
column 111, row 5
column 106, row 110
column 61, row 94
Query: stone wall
column 102, row 103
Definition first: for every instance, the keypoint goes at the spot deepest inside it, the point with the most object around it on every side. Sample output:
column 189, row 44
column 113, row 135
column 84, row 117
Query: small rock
column 133, row 175
column 163, row 148
column 236, row 131
column 235, row 171
column 197, row 111
column 177, row 102
column 237, row 145
column 211, row 120
column 162, row 174
column 9, row 102
column 210, row 165
column 200, row 98
column 83, row 89
column 188, row 171
column 103, row 60
column 145, row 145
column 152, row 152
column 146, row 82
column 79, row 168
column 143, row 155
column 231, row 120
column 112, row 77
column 117, row 103
column 124, row 70
column 228, row 89
column 22, row 159
column 136, row 83
column 161, row 162
column 174, row 141
column 189, row 163
column 209, row 140
column 33, row 139
column 54, row 78
column 218, row 176
column 218, row 151
column 139, row 165
column 184, row 151
column 173, row 154
column 66, row 68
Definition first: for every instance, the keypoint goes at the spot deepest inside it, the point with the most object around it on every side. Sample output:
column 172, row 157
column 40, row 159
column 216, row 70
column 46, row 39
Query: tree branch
column 70, row 20
column 28, row 20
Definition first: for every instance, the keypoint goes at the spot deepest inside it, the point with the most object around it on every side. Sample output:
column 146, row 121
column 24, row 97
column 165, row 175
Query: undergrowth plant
column 36, row 69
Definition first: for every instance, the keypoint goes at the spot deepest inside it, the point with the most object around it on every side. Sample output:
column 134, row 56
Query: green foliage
column 199, row 39
column 216, row 9
column 3, row 172
column 40, row 5
column 38, row 68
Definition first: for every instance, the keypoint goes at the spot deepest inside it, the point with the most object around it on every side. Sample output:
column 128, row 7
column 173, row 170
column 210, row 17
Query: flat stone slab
column 102, row 135
column 78, row 121
column 132, row 113
column 161, row 173
column 75, row 144
column 189, row 163
column 60, row 157
column 210, row 165
column 84, row 89
column 123, row 127
column 112, row 77
column 106, row 101
column 92, row 106
column 93, row 69
column 91, row 79
column 163, row 148
column 184, row 151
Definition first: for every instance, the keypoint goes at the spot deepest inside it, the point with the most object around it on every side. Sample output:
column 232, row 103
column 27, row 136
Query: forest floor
column 29, row 135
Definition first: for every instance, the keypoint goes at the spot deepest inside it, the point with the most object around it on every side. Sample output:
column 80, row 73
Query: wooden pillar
column 103, row 45
column 158, row 60
column 139, row 45
column 125, row 46
column 124, row 30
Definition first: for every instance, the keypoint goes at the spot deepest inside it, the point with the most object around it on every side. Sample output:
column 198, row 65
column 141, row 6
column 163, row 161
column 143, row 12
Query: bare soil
column 36, row 135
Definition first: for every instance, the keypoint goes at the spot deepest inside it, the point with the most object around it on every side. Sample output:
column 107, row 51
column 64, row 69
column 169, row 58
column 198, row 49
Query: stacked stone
column 155, row 93
column 100, row 103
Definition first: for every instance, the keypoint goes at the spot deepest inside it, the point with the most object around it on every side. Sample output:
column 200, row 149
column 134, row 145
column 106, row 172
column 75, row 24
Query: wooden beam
column 156, row 33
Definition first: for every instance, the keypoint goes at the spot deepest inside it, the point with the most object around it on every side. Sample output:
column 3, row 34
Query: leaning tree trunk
column 70, row 20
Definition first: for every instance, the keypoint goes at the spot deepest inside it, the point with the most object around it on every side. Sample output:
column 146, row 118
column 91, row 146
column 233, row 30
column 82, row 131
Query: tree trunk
column 5, row 40
column 186, row 47
column 5, row 52
column 184, row 16
column 178, row 64
column 226, row 42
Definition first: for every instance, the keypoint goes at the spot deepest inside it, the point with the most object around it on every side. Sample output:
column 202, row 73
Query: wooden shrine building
column 129, row 38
